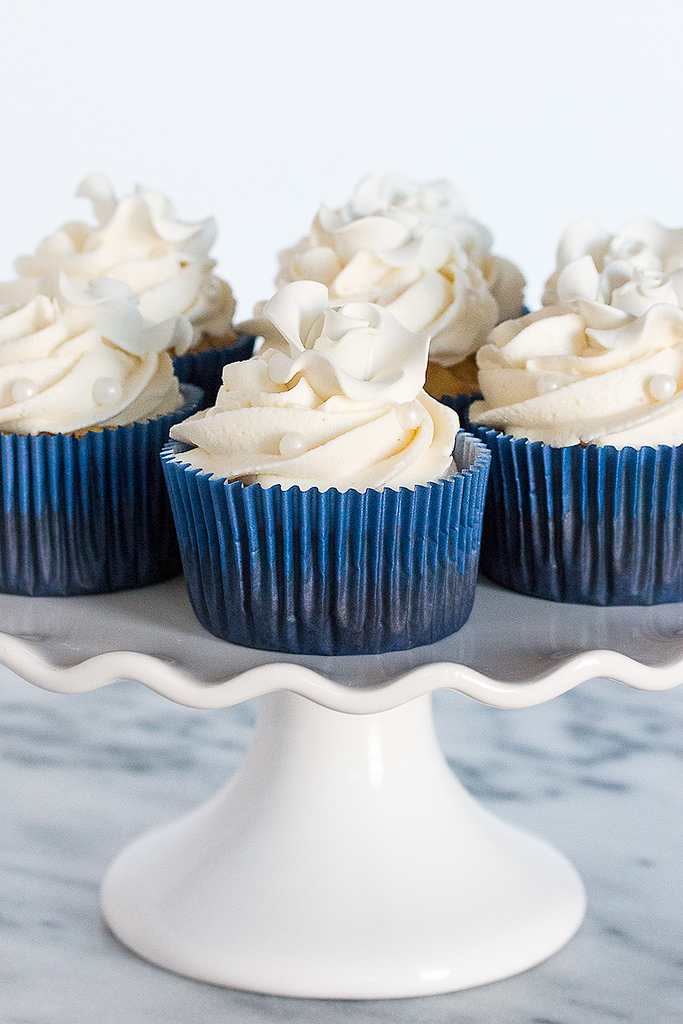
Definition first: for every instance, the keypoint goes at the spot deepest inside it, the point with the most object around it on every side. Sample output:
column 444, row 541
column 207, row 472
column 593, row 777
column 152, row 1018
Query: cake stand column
column 344, row 860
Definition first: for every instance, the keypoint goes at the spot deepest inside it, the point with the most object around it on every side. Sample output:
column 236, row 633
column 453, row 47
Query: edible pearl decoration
column 24, row 389
column 408, row 416
column 292, row 444
column 278, row 368
column 106, row 391
column 548, row 382
column 662, row 386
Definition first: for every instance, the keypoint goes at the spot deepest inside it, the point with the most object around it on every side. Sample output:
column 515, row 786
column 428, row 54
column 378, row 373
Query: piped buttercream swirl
column 335, row 400
column 602, row 362
column 73, row 359
column 412, row 249
column 564, row 376
column 140, row 241
column 646, row 256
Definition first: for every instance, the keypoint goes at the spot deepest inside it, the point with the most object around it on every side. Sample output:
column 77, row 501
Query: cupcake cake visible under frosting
column 335, row 400
column 75, row 359
column 139, row 241
column 415, row 251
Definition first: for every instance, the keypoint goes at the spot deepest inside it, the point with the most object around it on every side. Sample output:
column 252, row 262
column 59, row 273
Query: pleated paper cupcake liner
column 593, row 525
column 330, row 572
column 205, row 369
column 87, row 514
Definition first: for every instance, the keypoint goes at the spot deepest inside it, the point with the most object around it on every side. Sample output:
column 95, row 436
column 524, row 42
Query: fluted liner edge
column 87, row 514
column 594, row 525
column 330, row 572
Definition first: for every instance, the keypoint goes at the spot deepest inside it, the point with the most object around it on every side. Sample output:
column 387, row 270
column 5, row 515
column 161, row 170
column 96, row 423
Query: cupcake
column 87, row 397
column 325, row 505
column 583, row 410
column 140, row 241
column 414, row 250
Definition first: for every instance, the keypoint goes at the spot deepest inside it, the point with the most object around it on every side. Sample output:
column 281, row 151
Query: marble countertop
column 598, row 772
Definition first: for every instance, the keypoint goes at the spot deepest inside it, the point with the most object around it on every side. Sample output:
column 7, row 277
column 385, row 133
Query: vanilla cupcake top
column 335, row 400
column 73, row 359
column 603, row 366
column 139, row 241
column 412, row 249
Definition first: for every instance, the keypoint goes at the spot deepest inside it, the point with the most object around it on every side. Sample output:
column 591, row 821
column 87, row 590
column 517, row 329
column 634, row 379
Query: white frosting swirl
column 140, row 241
column 572, row 376
column 643, row 250
column 412, row 249
column 337, row 401
column 72, row 360
column 621, row 292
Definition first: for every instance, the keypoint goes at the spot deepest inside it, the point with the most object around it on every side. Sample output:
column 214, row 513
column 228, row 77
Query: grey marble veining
column 598, row 772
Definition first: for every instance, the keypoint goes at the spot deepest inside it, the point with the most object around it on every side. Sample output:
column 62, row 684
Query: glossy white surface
column 336, row 866
column 537, row 650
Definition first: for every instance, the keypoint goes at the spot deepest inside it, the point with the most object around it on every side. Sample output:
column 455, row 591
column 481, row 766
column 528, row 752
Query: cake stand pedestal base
column 344, row 860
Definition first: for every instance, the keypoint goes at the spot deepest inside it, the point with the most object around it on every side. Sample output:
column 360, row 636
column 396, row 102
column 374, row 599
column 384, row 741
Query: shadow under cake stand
column 344, row 859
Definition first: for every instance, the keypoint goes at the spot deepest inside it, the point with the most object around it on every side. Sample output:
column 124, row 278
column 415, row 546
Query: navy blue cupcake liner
column 330, row 572
column 87, row 514
column 205, row 369
column 594, row 525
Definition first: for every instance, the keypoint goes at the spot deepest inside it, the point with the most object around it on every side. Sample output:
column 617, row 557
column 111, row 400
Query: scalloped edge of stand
column 176, row 685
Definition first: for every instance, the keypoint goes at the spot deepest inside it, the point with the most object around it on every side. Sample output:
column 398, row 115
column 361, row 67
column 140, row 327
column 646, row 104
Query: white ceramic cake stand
column 344, row 859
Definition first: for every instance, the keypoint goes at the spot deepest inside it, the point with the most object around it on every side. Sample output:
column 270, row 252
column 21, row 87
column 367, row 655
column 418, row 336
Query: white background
column 257, row 112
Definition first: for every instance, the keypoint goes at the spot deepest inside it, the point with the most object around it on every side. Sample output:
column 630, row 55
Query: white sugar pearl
column 24, row 389
column 662, row 386
column 279, row 368
column 292, row 444
column 548, row 382
column 408, row 415
column 106, row 391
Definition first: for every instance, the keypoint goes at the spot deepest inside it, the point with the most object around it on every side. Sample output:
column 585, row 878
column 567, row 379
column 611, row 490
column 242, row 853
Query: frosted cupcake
column 414, row 250
column 140, row 241
column 326, row 505
column 87, row 396
column 583, row 410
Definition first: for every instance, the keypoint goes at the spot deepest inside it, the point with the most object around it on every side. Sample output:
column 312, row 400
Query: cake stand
column 344, row 859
